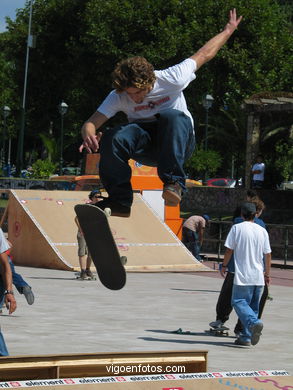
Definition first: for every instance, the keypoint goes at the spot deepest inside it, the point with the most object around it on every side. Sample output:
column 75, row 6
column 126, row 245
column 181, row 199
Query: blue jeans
column 3, row 348
column 190, row 240
column 245, row 301
column 165, row 143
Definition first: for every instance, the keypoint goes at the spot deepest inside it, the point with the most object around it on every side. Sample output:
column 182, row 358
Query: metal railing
column 280, row 242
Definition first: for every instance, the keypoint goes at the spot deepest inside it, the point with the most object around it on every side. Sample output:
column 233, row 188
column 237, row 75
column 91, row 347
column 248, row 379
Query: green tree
column 79, row 42
column 203, row 162
column 284, row 161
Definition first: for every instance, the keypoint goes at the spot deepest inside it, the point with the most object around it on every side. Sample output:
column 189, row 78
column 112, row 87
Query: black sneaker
column 255, row 330
column 117, row 209
column 242, row 342
column 89, row 274
column 83, row 275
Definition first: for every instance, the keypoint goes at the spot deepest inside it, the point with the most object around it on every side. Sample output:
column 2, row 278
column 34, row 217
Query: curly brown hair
column 134, row 72
column 259, row 205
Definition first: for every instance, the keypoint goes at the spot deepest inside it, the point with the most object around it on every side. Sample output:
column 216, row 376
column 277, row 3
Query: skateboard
column 219, row 331
column 101, row 245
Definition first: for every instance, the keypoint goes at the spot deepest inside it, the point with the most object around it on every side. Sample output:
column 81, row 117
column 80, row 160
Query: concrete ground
column 73, row 316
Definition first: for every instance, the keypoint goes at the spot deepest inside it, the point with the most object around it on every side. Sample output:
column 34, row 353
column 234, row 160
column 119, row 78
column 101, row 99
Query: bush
column 43, row 169
column 203, row 161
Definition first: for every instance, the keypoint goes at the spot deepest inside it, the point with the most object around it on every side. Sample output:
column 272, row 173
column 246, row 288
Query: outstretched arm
column 211, row 48
column 88, row 132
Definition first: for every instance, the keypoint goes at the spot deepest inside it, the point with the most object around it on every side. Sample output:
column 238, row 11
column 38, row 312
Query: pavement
column 73, row 316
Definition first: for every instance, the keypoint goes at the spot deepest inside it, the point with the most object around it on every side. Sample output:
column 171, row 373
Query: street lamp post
column 6, row 113
column 30, row 45
column 63, row 107
column 207, row 103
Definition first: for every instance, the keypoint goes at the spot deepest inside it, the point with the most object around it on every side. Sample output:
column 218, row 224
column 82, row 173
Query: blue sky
column 8, row 8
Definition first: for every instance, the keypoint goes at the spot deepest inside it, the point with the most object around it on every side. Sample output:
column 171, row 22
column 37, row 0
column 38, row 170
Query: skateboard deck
column 101, row 245
column 220, row 331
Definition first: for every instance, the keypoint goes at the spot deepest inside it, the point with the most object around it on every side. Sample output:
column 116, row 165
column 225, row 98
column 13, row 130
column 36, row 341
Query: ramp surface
column 42, row 230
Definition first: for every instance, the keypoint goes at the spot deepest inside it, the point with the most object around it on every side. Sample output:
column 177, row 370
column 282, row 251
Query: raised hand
column 232, row 25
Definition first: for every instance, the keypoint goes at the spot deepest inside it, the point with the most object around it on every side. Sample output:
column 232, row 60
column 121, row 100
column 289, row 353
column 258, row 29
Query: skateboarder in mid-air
column 160, row 130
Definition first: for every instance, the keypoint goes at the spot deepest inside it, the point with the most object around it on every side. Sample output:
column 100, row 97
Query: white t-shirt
column 166, row 93
column 249, row 242
column 258, row 167
column 4, row 246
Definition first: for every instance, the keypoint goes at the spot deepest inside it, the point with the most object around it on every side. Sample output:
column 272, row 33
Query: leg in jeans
column 118, row 145
column 17, row 279
column 263, row 300
column 190, row 240
column 245, row 301
column 165, row 143
column 224, row 307
column 3, row 348
column 176, row 143
column 264, row 297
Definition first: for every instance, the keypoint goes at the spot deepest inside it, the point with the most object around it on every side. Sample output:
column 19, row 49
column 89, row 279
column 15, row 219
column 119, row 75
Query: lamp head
column 207, row 101
column 63, row 107
column 6, row 111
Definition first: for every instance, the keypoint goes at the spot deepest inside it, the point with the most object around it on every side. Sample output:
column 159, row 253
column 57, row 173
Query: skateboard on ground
column 101, row 245
column 218, row 331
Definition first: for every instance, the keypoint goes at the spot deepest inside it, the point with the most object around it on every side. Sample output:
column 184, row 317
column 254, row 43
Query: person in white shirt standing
column 258, row 173
column 248, row 242
column 160, row 130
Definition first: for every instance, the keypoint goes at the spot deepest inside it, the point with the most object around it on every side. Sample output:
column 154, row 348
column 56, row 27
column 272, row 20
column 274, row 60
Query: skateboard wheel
column 107, row 211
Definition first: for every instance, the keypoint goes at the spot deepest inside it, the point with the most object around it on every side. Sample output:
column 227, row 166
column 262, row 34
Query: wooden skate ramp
column 42, row 230
column 164, row 370
column 160, row 370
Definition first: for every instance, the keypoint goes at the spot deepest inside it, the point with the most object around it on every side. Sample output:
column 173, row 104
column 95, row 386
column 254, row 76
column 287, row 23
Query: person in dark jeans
column 224, row 306
column 160, row 130
column 193, row 233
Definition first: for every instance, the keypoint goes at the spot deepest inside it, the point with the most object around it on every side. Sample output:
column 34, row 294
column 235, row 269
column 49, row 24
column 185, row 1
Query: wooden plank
column 87, row 365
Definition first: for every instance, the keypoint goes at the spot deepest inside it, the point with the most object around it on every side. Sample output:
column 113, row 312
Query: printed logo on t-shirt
column 152, row 104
